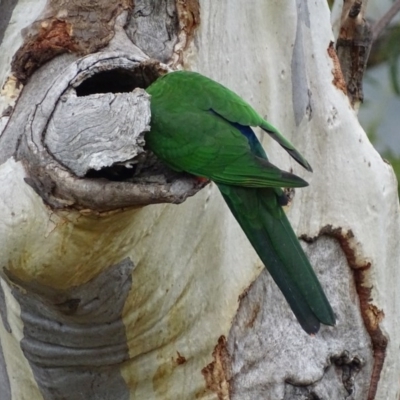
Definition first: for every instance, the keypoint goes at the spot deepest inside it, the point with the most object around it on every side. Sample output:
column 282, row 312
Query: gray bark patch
column 154, row 28
column 3, row 311
column 334, row 364
column 302, row 100
column 7, row 8
column 5, row 390
column 97, row 131
column 75, row 340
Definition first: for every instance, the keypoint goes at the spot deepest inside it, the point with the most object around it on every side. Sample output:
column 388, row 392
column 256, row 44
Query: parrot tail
column 274, row 133
column 265, row 224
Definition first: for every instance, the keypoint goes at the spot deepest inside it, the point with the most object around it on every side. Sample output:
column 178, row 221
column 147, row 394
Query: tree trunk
column 108, row 292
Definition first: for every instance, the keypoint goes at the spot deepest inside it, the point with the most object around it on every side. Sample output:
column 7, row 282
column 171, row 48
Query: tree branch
column 381, row 24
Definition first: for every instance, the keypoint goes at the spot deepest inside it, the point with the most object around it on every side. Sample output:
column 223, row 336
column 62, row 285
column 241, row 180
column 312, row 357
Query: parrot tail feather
column 274, row 133
column 265, row 224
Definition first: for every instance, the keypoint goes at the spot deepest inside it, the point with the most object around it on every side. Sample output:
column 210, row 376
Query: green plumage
column 201, row 127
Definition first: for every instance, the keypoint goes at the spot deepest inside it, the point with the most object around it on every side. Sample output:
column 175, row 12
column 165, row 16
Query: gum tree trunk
column 123, row 280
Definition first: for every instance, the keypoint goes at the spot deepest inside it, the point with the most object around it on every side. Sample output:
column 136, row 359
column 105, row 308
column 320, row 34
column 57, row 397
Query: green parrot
column 200, row 127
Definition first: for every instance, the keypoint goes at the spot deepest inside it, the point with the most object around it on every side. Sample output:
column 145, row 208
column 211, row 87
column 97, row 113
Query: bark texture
column 353, row 46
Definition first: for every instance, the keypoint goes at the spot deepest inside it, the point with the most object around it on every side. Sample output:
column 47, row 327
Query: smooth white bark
column 352, row 188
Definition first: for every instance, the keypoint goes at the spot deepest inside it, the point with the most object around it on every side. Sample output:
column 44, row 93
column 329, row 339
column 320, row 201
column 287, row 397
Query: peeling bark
column 217, row 373
column 353, row 47
column 62, row 28
column 338, row 79
column 189, row 20
column 372, row 316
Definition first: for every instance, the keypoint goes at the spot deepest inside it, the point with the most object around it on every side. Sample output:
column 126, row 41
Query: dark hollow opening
column 117, row 173
column 120, row 80
column 114, row 81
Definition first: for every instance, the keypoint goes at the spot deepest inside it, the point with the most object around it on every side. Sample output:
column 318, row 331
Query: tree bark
column 106, row 294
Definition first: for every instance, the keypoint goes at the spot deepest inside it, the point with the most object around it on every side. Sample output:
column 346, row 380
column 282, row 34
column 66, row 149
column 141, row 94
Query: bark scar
column 217, row 373
column 338, row 79
column 53, row 38
column 371, row 315
column 189, row 20
column 78, row 27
